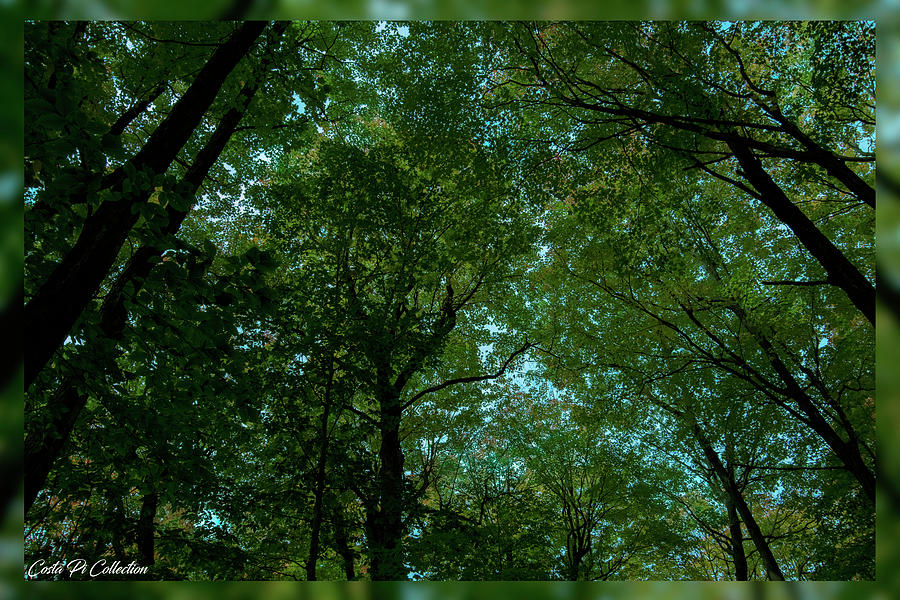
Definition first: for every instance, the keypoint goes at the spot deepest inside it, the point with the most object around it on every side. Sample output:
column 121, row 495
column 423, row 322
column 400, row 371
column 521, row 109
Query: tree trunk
column 41, row 209
column 43, row 445
column 738, row 555
column 319, row 489
column 578, row 534
column 44, row 442
column 145, row 543
column 60, row 301
column 846, row 451
column 841, row 272
column 342, row 544
column 737, row 541
column 828, row 161
column 731, row 489
column 386, row 524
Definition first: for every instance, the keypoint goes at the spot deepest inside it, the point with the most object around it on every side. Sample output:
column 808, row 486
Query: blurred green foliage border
column 12, row 15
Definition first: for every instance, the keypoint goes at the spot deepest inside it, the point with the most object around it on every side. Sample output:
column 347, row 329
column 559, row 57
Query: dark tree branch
column 59, row 302
column 524, row 347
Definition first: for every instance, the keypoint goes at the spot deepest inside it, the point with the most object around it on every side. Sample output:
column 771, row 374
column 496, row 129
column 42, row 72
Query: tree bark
column 386, row 524
column 731, row 489
column 737, row 541
column 60, row 301
column 145, row 541
column 384, row 521
column 847, row 451
column 43, row 445
column 828, row 161
column 841, row 272
column 319, row 489
column 342, row 544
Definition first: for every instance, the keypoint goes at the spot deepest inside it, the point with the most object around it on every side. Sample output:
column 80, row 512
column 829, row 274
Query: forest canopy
column 450, row 300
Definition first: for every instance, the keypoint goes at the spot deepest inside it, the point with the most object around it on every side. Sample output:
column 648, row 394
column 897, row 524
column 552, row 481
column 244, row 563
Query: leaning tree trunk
column 63, row 297
column 833, row 165
column 44, row 444
column 731, row 489
column 846, row 451
column 841, row 272
column 737, row 541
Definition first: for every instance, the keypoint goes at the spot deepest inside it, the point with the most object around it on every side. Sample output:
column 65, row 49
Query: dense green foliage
column 474, row 301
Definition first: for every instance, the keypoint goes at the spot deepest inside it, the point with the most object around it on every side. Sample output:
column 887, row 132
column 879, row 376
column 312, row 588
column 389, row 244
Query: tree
column 686, row 88
column 677, row 287
column 150, row 440
column 407, row 263
column 402, row 301
column 604, row 500
column 56, row 304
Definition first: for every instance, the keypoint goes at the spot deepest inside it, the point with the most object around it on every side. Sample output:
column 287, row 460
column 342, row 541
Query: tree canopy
column 452, row 300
